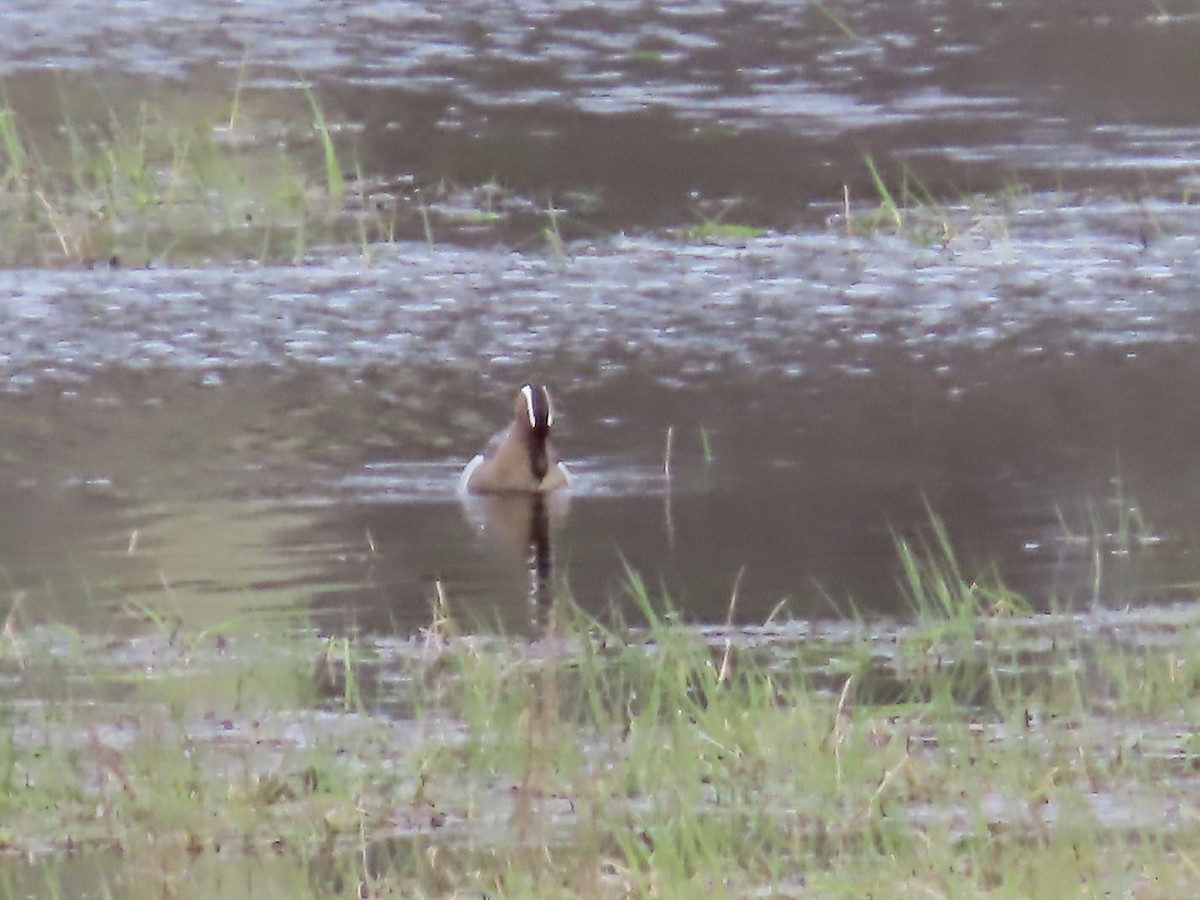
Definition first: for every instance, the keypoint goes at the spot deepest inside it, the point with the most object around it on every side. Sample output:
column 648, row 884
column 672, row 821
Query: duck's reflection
column 520, row 525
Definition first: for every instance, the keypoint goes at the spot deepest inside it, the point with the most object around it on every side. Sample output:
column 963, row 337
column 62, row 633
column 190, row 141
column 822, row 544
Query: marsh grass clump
column 1115, row 527
column 682, row 761
column 938, row 590
column 267, row 177
column 713, row 225
column 1125, row 550
column 908, row 208
column 170, row 181
column 653, row 750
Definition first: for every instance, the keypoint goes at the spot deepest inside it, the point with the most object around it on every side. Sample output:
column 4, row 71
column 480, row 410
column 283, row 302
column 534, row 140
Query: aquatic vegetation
column 910, row 210
column 1117, row 541
column 838, row 21
column 553, row 233
column 620, row 754
column 938, row 590
column 714, row 227
column 133, row 186
column 706, row 449
column 13, row 145
column 1116, row 526
column 190, row 181
column 721, row 231
column 335, row 184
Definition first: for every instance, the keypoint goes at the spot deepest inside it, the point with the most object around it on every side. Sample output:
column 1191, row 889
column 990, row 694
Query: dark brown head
column 535, row 415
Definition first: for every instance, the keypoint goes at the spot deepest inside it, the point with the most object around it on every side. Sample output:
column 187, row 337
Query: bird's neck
column 539, row 457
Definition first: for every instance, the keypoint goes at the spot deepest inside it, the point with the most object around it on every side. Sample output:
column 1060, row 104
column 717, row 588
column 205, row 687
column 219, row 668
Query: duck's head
column 534, row 409
column 534, row 416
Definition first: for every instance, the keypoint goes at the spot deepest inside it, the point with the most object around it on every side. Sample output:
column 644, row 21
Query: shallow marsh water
column 298, row 447
column 259, row 443
column 287, row 437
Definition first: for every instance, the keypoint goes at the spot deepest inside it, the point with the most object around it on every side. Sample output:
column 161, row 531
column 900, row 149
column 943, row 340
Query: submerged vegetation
column 977, row 749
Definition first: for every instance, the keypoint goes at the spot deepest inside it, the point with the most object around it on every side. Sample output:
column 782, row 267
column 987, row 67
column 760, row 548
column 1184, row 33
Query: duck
column 519, row 459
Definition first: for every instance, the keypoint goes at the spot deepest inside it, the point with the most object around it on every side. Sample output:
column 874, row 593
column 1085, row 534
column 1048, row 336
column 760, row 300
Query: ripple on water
column 769, row 304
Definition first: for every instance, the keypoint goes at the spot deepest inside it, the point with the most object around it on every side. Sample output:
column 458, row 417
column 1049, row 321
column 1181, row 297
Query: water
column 220, row 441
column 298, row 447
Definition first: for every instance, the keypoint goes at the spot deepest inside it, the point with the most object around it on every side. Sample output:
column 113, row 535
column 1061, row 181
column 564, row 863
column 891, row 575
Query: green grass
column 140, row 186
column 713, row 227
column 552, row 233
column 1117, row 526
column 335, row 184
column 722, row 231
column 838, row 21
column 181, row 180
column 706, row 448
column 909, row 209
column 975, row 749
column 938, row 590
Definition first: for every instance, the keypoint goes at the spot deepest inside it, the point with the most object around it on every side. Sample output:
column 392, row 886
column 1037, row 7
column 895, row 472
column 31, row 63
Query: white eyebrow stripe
column 527, row 392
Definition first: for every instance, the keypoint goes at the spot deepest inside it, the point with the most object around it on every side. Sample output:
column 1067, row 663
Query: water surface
column 299, row 446
column 222, row 440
